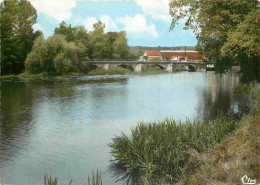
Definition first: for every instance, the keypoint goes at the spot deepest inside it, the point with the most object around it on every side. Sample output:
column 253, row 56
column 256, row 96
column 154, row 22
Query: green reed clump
column 156, row 153
column 243, row 89
column 96, row 179
column 50, row 180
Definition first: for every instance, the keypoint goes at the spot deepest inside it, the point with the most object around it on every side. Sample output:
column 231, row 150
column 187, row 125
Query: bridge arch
column 129, row 67
column 91, row 67
column 191, row 67
column 157, row 65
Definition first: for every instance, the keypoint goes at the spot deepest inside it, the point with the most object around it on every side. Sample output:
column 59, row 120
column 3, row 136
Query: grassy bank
column 237, row 155
column 157, row 153
column 191, row 152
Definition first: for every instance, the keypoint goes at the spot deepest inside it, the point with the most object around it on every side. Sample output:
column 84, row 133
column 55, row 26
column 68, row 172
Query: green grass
column 155, row 153
column 115, row 71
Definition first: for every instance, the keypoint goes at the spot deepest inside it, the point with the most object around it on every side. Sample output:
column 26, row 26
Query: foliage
column 96, row 44
column 17, row 35
column 243, row 89
column 157, row 152
column 54, row 55
column 227, row 31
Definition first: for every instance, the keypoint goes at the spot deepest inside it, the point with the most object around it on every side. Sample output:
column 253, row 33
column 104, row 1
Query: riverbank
column 70, row 76
column 235, row 159
column 221, row 151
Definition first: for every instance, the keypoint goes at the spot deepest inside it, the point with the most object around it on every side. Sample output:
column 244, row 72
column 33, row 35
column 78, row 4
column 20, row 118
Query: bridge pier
column 139, row 68
column 169, row 68
column 174, row 67
column 107, row 66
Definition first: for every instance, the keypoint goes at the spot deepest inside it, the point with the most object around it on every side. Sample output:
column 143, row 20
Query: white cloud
column 88, row 23
column 157, row 9
column 110, row 25
column 58, row 9
column 37, row 26
column 137, row 26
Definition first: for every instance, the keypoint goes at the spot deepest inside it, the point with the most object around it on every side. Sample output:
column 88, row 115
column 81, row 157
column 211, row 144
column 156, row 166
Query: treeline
column 64, row 52
column 22, row 49
column 17, row 35
column 227, row 32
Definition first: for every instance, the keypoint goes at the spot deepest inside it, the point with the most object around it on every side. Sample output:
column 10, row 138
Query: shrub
column 67, row 61
column 157, row 152
column 35, row 60
column 243, row 89
column 54, row 55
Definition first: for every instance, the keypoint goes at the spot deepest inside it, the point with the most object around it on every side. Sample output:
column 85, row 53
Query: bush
column 157, row 152
column 243, row 89
column 35, row 60
column 54, row 55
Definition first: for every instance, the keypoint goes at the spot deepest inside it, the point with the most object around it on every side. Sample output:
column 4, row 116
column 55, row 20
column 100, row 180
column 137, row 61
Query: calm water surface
column 63, row 129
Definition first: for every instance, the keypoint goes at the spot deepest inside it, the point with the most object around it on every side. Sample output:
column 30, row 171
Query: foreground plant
column 95, row 180
column 243, row 89
column 157, row 153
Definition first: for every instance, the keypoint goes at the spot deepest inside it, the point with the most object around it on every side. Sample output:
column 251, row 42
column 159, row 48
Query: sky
column 146, row 22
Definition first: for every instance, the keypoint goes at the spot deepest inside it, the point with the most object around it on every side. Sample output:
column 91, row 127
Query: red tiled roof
column 152, row 53
column 190, row 55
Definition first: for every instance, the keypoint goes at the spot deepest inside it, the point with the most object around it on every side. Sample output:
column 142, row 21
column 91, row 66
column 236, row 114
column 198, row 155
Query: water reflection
column 63, row 128
column 15, row 116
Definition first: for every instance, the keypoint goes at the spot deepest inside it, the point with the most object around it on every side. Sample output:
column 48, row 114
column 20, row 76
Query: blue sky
column 146, row 22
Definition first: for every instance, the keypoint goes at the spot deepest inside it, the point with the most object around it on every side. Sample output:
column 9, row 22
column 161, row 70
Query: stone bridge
column 140, row 66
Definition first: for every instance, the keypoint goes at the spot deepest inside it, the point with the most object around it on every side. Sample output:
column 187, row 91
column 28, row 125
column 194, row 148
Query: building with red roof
column 172, row 55
column 188, row 55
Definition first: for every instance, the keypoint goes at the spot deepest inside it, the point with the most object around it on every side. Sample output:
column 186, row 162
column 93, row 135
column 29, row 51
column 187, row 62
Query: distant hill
column 136, row 49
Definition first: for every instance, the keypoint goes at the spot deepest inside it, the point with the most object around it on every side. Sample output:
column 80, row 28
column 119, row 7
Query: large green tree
column 96, row 44
column 17, row 35
column 217, row 24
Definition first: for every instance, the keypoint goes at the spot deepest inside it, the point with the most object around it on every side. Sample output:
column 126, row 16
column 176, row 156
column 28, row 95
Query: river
column 63, row 129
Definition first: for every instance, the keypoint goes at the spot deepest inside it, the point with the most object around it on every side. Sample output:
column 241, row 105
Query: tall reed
column 96, row 179
column 157, row 153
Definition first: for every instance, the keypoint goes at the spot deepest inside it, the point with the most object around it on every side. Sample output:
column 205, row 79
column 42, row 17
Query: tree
column 66, row 30
column 99, row 46
column 215, row 23
column 120, row 46
column 17, row 35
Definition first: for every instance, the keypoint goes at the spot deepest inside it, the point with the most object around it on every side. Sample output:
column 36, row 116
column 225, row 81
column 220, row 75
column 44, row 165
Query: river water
column 63, row 129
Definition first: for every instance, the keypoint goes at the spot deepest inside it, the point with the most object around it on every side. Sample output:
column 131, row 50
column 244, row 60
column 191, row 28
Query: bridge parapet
column 139, row 66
